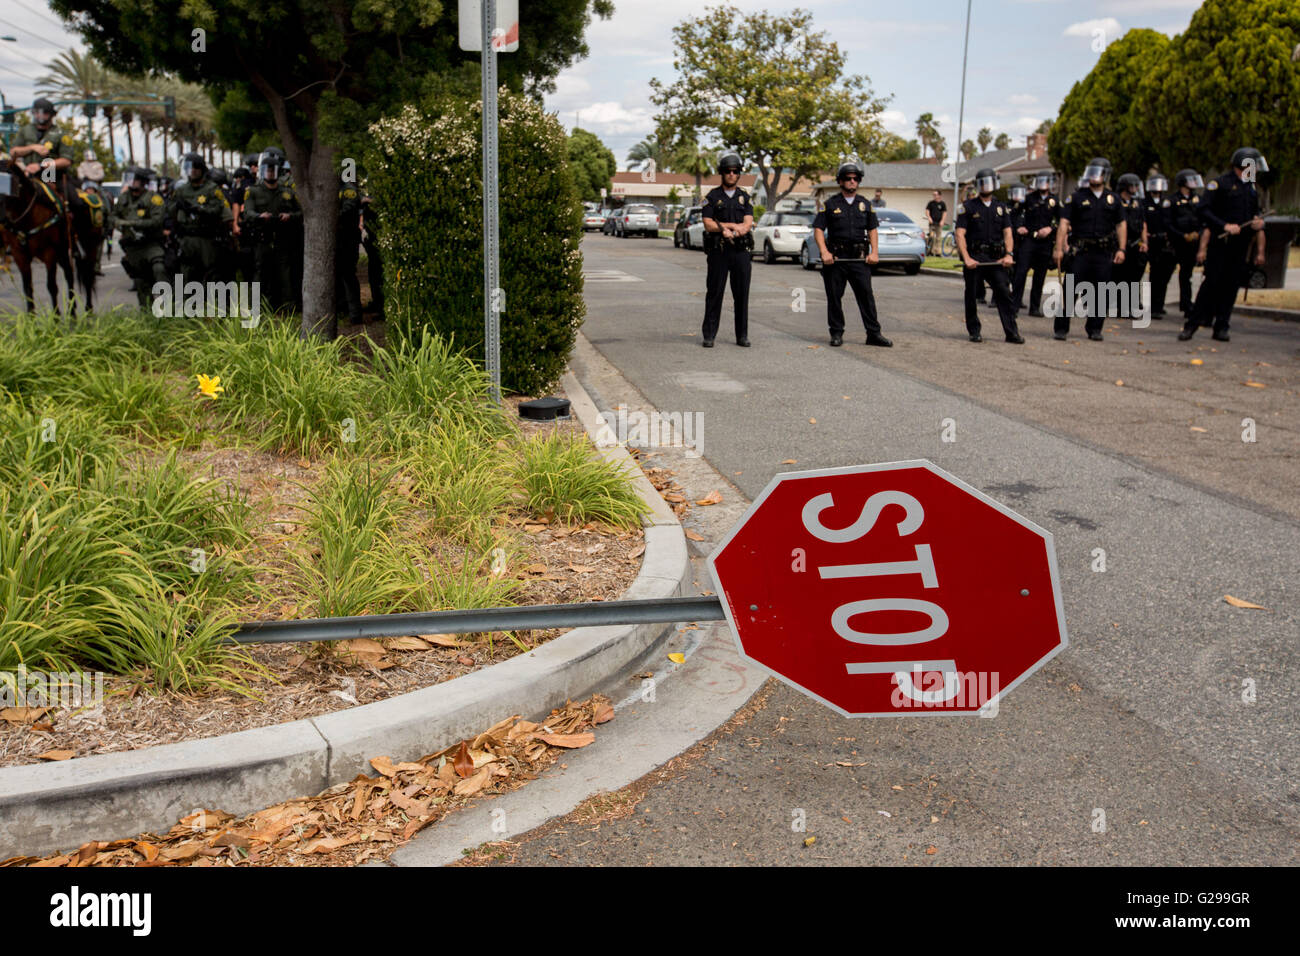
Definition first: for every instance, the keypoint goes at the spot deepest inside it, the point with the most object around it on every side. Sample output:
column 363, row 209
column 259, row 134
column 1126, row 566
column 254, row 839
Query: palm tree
column 984, row 137
column 649, row 151
column 1002, row 142
column 697, row 163
column 927, row 131
column 968, row 149
column 75, row 77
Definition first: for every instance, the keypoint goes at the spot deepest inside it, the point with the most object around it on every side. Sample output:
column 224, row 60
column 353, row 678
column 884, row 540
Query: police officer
column 242, row 178
column 347, row 289
column 846, row 235
column 201, row 214
column 269, row 211
column 984, row 240
column 1131, row 200
column 1041, row 213
column 1094, row 222
column 40, row 144
column 1185, row 232
column 226, row 257
column 139, row 216
column 728, row 225
column 1160, row 251
column 1234, row 240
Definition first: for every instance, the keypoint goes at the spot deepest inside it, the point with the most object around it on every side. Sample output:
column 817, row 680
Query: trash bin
column 1278, row 233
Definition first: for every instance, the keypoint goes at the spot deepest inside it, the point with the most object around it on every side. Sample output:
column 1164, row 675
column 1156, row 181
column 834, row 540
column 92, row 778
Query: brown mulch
column 558, row 565
column 365, row 819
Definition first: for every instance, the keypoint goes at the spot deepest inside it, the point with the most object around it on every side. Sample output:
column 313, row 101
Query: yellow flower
column 210, row 386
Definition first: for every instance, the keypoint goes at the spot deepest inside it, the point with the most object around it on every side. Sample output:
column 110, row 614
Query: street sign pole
column 491, row 205
column 961, row 119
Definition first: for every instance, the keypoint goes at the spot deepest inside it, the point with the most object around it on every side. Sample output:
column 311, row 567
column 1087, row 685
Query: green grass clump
column 562, row 476
column 462, row 476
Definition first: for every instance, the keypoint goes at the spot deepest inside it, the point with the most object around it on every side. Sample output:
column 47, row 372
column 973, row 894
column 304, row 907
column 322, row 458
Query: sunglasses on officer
column 851, row 177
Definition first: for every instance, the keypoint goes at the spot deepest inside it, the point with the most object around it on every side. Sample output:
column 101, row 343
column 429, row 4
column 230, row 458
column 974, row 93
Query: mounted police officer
column 846, row 235
column 139, row 215
column 984, row 243
column 1185, row 232
column 728, row 226
column 1041, row 214
column 1233, row 241
column 1131, row 200
column 201, row 214
column 41, row 146
column 1160, row 250
column 270, row 208
column 1094, row 222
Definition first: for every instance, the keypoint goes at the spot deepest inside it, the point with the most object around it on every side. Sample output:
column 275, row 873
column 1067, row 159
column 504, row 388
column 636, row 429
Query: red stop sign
column 890, row 589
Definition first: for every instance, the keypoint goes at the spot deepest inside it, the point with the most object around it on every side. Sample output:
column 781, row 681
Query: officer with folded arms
column 1041, row 213
column 1135, row 255
column 1234, row 239
column 984, row 243
column 1094, row 222
column 728, row 217
column 846, row 235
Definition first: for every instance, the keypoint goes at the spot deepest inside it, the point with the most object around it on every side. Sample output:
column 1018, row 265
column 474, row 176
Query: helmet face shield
column 1017, row 193
column 986, row 183
column 1096, row 172
column 1193, row 181
column 190, row 163
column 268, row 166
column 1044, row 181
column 1157, row 184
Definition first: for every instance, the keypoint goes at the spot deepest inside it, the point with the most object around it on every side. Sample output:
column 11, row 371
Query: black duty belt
column 994, row 249
column 847, row 250
column 1096, row 243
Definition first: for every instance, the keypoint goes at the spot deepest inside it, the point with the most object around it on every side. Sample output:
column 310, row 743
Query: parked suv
column 639, row 219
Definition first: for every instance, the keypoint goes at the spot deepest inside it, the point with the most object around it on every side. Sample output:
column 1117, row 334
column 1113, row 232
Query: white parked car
column 782, row 234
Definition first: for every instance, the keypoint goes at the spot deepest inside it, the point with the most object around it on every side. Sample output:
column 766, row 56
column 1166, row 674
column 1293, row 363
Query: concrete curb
column 59, row 806
column 1249, row 311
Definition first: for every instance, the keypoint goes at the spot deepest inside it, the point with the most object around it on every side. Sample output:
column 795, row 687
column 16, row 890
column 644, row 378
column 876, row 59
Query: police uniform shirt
column 60, row 143
column 983, row 225
column 1157, row 215
column 720, row 207
column 139, row 218
column 846, row 220
column 1092, row 216
column 1229, row 199
column 1184, row 214
column 1134, row 214
column 1041, row 211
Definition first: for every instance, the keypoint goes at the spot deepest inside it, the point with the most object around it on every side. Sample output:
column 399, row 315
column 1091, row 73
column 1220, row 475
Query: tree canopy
column 593, row 164
column 771, row 89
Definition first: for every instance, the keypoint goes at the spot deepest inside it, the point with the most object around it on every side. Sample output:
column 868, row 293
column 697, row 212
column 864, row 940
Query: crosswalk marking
column 609, row 275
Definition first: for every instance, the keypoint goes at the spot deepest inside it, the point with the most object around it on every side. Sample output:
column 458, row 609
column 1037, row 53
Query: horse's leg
column 52, row 261
column 29, row 292
column 65, row 263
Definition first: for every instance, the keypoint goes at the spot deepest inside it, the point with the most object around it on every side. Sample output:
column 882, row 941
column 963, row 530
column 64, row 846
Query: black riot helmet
column 1131, row 181
column 986, row 180
column 218, row 176
column 730, row 162
column 1017, row 193
column 1189, row 178
column 191, row 162
column 42, row 112
column 1157, row 184
column 269, row 164
column 250, row 160
column 1252, row 161
column 1044, row 181
column 847, row 169
column 1098, row 169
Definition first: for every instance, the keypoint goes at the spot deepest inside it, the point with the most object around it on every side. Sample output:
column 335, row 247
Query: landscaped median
column 165, row 479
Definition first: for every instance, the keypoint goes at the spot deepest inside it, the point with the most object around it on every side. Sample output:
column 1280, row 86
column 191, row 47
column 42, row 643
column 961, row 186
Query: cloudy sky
column 1024, row 56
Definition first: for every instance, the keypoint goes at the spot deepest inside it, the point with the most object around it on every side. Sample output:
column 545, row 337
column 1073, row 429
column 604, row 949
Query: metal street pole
column 961, row 118
column 491, row 205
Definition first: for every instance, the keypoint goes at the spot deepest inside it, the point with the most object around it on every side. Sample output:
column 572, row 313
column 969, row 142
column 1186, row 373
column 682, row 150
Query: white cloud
column 896, row 121
column 1022, row 99
column 1087, row 29
column 1133, row 7
column 616, row 118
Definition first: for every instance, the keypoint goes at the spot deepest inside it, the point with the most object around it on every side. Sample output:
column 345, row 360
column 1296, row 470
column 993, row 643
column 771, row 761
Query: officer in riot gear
column 984, row 238
column 1132, row 202
column 1093, row 221
column 269, row 210
column 1041, row 215
column 201, row 215
column 1160, row 251
column 139, row 215
column 847, row 238
column 728, row 217
column 1232, row 241
column 1185, row 232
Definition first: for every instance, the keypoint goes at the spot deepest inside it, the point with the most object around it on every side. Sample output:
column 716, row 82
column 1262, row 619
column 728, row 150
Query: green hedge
column 425, row 176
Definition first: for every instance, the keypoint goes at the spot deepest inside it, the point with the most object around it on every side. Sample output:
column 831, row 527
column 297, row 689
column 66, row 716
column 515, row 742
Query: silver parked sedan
column 902, row 243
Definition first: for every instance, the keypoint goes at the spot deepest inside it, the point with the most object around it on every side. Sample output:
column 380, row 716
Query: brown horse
column 36, row 228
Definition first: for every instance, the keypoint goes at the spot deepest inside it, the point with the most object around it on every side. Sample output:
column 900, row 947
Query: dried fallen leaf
column 931, row 850
column 637, row 551
column 1198, row 361
column 22, row 715
column 535, row 569
column 1238, row 602
column 463, row 763
column 407, row 643
column 675, row 498
column 56, row 755
column 712, row 498
column 581, row 568
column 466, row 661
column 329, row 844
column 812, row 421
column 384, row 765
column 363, row 649
column 442, row 640
column 604, row 712
column 790, row 461
column 1119, row 381
column 1254, row 384
column 677, row 658
column 474, row 784
column 809, row 841
column 1197, row 428
column 693, row 535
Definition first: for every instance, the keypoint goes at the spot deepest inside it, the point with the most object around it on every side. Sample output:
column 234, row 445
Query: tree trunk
column 148, row 153
column 319, row 195
column 130, row 140
column 112, row 143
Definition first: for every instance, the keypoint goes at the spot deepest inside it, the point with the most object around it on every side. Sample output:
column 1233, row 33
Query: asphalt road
column 1143, row 717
